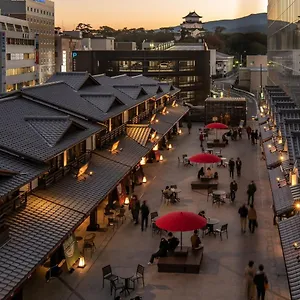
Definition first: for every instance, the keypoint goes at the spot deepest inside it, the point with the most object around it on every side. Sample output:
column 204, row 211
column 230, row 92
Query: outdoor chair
column 116, row 286
column 108, row 275
column 155, row 229
column 204, row 231
column 121, row 215
column 112, row 222
column 210, row 193
column 88, row 243
column 222, row 230
column 153, row 215
column 139, row 275
column 180, row 161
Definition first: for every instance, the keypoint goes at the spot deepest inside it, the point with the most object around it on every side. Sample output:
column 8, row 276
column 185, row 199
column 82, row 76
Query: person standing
column 251, row 191
column 233, row 190
column 249, row 275
column 238, row 165
column 261, row 282
column 252, row 218
column 189, row 126
column 201, row 138
column 231, row 168
column 243, row 212
column 137, row 211
column 253, row 137
column 249, row 130
column 145, row 215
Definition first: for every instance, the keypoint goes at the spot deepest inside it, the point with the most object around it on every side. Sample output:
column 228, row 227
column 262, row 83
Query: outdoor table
column 210, row 225
column 220, row 195
column 126, row 274
column 223, row 159
column 210, row 150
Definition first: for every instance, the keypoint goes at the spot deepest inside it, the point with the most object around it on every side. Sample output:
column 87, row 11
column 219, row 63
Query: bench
column 212, row 144
column 181, row 264
column 203, row 185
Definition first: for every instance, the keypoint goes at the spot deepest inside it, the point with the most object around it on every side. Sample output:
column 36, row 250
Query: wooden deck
column 181, row 264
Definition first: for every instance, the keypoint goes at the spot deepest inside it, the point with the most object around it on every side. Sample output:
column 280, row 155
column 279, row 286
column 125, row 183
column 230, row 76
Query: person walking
column 249, row 130
column 243, row 212
column 249, row 275
column 252, row 218
column 256, row 136
column 201, row 138
column 238, row 165
column 136, row 211
column 233, row 190
column 253, row 137
column 251, row 191
column 231, row 168
column 261, row 282
column 144, row 214
column 189, row 126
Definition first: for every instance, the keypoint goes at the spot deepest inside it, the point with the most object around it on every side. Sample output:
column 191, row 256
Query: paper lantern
column 81, row 263
column 143, row 161
column 126, row 202
column 161, row 158
column 144, row 179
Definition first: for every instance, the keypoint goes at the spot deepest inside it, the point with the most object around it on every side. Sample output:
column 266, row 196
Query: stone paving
column 221, row 275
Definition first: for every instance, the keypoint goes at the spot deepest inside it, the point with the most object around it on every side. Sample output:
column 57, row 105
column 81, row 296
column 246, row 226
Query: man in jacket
column 252, row 218
column 238, row 165
column 231, row 168
column 260, row 280
column 173, row 242
column 144, row 214
column 201, row 138
column 162, row 252
column 233, row 190
column 251, row 191
column 243, row 212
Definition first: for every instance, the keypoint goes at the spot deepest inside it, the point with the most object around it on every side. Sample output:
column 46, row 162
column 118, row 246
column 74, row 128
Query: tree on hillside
column 85, row 28
column 219, row 29
column 106, row 31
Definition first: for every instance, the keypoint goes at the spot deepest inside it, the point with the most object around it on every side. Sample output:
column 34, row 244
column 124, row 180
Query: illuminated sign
column 64, row 61
column 74, row 54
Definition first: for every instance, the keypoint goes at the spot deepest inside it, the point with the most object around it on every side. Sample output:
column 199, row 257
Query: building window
column 20, row 71
column 187, row 65
column 10, row 27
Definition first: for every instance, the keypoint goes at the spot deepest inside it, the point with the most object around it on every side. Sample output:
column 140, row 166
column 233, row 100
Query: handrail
column 110, row 136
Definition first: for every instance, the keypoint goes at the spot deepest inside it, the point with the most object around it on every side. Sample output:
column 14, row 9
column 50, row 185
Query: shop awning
column 272, row 158
column 129, row 152
column 289, row 230
column 85, row 193
column 266, row 134
column 282, row 196
column 34, row 233
column 169, row 119
column 139, row 133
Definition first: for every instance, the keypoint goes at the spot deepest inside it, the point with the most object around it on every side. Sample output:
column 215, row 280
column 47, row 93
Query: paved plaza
column 221, row 275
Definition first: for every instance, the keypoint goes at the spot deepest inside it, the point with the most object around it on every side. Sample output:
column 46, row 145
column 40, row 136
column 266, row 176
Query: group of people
column 232, row 165
column 136, row 208
column 250, row 213
column 252, row 135
column 208, row 173
column 234, row 133
column 170, row 194
column 255, row 279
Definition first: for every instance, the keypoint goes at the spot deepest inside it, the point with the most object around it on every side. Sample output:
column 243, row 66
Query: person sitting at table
column 201, row 173
column 202, row 214
column 169, row 194
column 162, row 252
column 173, row 242
column 216, row 175
column 195, row 240
column 209, row 173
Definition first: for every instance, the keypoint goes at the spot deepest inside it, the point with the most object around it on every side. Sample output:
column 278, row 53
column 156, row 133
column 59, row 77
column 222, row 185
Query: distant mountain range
column 251, row 23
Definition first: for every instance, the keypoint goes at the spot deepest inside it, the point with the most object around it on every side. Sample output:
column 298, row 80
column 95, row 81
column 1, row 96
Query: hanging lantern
column 161, row 158
column 144, row 179
column 126, row 202
column 81, row 263
column 143, row 161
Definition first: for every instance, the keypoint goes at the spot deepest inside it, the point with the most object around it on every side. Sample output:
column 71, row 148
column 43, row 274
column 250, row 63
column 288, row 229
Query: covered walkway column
column 93, row 226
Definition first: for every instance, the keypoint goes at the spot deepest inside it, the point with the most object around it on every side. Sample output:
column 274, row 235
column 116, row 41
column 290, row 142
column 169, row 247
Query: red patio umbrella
column 216, row 126
column 204, row 158
column 181, row 221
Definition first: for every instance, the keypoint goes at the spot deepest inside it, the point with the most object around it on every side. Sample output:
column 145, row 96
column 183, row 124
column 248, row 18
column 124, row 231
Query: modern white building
column 18, row 55
column 40, row 16
column 224, row 63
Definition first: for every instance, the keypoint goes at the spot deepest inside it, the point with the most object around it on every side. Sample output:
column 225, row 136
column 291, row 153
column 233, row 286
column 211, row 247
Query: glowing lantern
column 161, row 158
column 81, row 262
column 143, row 161
column 170, row 146
column 144, row 179
column 126, row 202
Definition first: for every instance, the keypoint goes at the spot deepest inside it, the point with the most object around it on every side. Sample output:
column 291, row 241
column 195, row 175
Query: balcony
column 142, row 116
column 112, row 135
column 54, row 176
column 13, row 204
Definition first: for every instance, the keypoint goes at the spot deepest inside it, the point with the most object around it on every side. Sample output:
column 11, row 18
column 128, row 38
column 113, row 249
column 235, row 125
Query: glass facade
column 284, row 45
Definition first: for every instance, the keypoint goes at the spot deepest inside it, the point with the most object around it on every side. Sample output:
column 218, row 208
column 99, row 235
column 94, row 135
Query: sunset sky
column 150, row 14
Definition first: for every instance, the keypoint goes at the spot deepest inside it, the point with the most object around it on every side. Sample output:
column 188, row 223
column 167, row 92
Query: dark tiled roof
column 84, row 195
column 24, row 170
column 135, row 92
column 76, row 80
column 130, row 155
column 139, row 133
column 282, row 197
column 266, row 135
column 295, row 190
column 290, row 234
column 272, row 159
column 62, row 95
column 34, row 232
column 295, row 138
column 19, row 136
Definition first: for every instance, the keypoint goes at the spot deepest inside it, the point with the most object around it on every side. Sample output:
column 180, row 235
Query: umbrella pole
column 181, row 240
